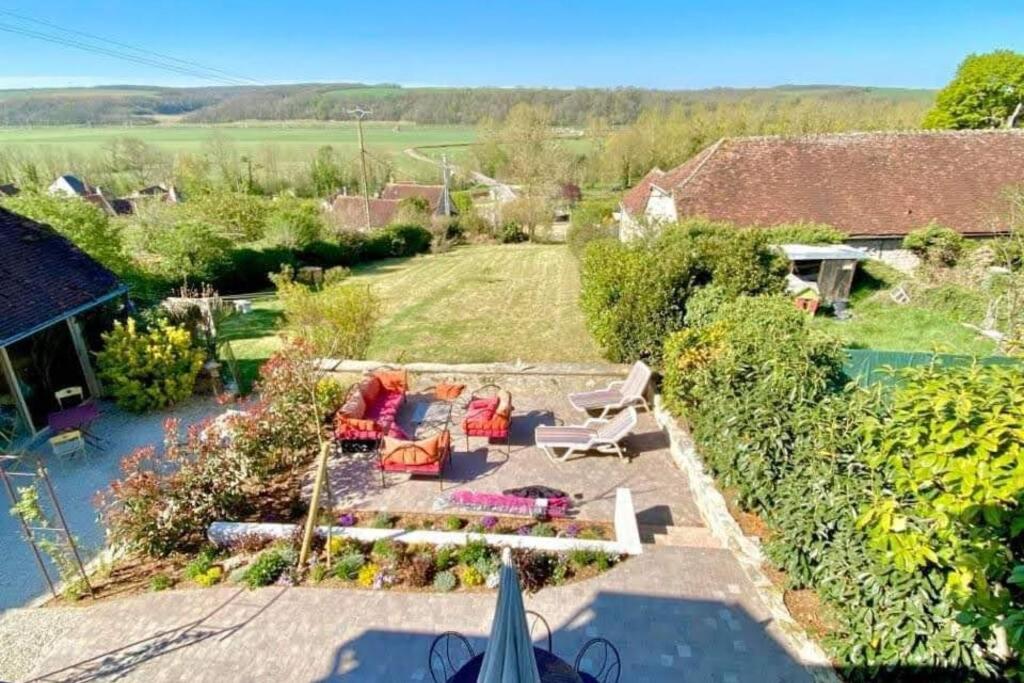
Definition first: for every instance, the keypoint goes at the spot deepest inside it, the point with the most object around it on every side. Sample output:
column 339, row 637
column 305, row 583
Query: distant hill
column 115, row 104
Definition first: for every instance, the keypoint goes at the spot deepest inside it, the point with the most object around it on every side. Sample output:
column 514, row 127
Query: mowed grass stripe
column 473, row 304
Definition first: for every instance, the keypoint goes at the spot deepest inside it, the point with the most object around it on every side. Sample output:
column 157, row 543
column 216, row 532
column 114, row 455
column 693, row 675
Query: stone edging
column 528, row 369
column 725, row 529
column 627, row 534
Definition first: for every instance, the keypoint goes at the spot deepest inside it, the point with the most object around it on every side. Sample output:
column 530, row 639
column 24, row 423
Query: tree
column 325, row 172
column 294, row 223
column 140, row 163
column 338, row 319
column 413, row 211
column 987, row 92
column 81, row 222
column 192, row 249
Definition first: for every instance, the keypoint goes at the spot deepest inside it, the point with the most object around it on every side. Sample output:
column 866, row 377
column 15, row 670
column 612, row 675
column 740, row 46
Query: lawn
column 294, row 141
column 932, row 321
column 473, row 304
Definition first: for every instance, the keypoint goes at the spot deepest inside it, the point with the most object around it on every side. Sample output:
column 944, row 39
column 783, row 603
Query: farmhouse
column 71, row 186
column 875, row 187
column 53, row 301
column 436, row 196
column 349, row 211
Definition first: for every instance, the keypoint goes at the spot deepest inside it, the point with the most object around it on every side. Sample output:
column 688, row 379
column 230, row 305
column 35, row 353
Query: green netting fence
column 868, row 366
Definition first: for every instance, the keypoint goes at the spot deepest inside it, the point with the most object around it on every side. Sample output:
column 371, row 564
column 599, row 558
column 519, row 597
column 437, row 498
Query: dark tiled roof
column 78, row 186
column 866, row 184
column 348, row 211
column 43, row 276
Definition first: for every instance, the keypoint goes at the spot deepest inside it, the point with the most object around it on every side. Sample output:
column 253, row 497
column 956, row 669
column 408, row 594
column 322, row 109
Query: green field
column 473, row 304
column 293, row 142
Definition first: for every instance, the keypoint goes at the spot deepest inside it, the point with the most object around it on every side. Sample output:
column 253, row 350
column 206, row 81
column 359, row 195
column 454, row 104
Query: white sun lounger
column 618, row 395
column 593, row 435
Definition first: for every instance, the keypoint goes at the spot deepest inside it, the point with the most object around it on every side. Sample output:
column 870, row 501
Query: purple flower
column 524, row 530
column 572, row 531
column 489, row 522
column 347, row 519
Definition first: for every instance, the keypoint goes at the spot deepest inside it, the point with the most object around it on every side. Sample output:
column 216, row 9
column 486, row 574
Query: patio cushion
column 420, row 452
column 392, row 380
column 481, row 409
column 448, row 392
column 356, row 424
column 370, row 388
column 355, row 406
column 504, row 406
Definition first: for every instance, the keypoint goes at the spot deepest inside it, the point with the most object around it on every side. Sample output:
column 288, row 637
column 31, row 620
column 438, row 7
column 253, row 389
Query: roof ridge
column 904, row 132
column 700, row 165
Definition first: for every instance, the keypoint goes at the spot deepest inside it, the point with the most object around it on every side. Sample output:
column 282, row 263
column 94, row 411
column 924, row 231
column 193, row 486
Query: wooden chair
column 449, row 652
column 68, row 393
column 68, row 443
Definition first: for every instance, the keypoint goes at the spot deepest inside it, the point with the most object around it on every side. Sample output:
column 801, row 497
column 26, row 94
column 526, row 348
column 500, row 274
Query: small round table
column 551, row 668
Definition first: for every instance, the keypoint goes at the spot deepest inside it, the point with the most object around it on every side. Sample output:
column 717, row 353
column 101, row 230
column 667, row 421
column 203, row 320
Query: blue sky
column 646, row 43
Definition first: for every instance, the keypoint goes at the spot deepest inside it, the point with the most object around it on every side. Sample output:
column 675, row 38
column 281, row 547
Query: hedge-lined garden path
column 675, row 614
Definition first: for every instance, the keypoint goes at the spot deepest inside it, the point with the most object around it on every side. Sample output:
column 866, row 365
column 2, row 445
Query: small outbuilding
column 55, row 301
column 828, row 270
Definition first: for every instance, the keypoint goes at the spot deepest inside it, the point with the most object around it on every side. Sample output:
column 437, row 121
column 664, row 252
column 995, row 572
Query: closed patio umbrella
column 509, row 657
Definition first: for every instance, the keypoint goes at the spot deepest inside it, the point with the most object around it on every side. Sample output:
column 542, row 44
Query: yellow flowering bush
column 146, row 370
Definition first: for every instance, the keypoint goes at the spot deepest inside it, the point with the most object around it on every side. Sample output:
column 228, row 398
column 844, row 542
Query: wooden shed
column 828, row 269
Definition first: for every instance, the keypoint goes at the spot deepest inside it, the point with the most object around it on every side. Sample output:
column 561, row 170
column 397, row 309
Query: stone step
column 678, row 536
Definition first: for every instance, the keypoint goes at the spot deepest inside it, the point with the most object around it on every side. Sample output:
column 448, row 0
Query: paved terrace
column 660, row 490
column 683, row 611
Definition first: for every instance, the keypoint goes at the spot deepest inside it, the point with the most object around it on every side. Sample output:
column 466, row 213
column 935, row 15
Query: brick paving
column 660, row 490
column 676, row 614
column 683, row 611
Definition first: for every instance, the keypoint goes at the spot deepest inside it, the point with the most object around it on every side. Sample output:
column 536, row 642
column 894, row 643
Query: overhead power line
column 129, row 46
column 202, row 73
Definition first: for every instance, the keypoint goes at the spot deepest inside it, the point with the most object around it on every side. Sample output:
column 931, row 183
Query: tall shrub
column 634, row 295
column 150, row 369
column 952, row 446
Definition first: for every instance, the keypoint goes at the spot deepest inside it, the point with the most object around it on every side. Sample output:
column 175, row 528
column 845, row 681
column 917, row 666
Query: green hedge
column 775, row 420
column 248, row 269
column 634, row 295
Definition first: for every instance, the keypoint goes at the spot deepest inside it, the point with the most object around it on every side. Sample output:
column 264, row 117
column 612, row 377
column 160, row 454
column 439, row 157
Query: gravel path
column 26, row 635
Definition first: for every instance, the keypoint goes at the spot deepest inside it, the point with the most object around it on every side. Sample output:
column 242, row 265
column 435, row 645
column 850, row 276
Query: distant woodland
column 117, row 105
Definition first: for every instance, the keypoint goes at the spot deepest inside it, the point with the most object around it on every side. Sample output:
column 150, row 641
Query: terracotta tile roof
column 43, row 276
column 348, row 211
column 866, row 184
column 399, row 191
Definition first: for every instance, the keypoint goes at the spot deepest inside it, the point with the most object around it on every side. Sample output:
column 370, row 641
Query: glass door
column 42, row 364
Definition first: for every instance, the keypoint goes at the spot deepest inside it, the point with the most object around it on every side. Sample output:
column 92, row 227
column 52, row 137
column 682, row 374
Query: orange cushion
column 392, row 380
column 420, row 452
column 370, row 388
column 355, row 405
column 448, row 392
column 355, row 423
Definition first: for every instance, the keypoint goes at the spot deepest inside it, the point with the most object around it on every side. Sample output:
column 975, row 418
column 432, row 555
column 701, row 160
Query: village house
column 71, row 186
column 349, row 211
column 875, row 187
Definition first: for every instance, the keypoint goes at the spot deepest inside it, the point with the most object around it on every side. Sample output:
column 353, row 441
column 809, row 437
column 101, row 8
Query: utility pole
column 360, row 114
column 445, row 178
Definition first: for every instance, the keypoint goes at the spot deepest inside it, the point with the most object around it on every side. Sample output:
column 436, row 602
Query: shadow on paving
column 119, row 663
column 659, row 639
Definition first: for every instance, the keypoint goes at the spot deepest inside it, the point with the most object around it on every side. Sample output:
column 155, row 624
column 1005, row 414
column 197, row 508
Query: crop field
column 292, row 141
